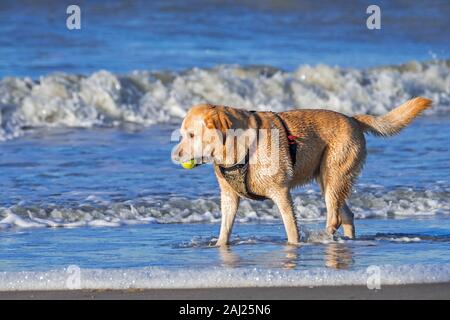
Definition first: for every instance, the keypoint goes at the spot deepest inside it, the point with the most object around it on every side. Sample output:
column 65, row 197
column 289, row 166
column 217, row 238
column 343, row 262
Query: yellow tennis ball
column 188, row 164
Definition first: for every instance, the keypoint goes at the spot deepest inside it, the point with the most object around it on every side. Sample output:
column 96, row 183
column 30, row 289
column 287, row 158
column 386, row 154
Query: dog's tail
column 394, row 121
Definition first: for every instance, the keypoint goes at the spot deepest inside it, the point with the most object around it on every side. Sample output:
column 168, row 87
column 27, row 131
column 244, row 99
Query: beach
column 440, row 291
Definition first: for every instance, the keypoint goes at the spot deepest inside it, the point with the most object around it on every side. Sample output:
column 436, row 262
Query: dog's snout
column 177, row 154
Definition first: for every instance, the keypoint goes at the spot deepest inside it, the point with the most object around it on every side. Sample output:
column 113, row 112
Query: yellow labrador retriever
column 298, row 145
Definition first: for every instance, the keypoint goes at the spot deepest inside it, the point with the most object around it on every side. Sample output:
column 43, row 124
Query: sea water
column 87, row 182
column 111, row 202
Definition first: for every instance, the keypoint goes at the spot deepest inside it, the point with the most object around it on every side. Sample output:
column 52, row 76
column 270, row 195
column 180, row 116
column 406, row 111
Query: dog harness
column 236, row 175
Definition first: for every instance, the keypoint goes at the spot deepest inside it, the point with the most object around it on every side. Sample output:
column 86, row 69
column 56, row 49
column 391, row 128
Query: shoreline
column 439, row 291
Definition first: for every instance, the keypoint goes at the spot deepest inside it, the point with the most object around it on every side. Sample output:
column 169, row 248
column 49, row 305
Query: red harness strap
column 292, row 142
column 292, row 139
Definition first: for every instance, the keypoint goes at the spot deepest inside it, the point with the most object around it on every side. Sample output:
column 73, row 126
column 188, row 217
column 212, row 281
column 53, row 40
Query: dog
column 311, row 144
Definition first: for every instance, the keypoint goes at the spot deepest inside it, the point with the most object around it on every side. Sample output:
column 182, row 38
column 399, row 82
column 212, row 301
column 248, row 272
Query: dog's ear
column 218, row 119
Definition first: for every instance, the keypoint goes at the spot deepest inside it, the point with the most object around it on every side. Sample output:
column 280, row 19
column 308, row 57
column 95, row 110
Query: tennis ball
column 188, row 164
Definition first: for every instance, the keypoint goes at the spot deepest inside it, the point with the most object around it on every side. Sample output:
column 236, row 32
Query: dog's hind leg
column 343, row 217
column 333, row 204
column 339, row 168
column 282, row 199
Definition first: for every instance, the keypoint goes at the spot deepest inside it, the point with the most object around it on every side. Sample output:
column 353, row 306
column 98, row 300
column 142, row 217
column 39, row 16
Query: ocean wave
column 309, row 206
column 310, row 236
column 155, row 277
column 143, row 97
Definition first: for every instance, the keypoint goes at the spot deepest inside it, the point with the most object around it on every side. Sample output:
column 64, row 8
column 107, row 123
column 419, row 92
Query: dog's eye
column 191, row 135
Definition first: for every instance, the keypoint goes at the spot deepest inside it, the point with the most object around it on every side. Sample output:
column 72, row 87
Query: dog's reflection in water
column 290, row 260
column 336, row 256
column 228, row 257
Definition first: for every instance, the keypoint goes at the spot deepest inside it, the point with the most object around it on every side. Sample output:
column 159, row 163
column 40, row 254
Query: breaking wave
column 154, row 277
column 309, row 206
column 144, row 97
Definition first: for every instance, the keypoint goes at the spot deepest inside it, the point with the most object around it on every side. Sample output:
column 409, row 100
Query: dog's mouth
column 205, row 159
column 194, row 162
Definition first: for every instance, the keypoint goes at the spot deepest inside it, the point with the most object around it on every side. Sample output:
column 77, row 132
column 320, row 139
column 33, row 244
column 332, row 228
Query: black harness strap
column 292, row 143
column 236, row 176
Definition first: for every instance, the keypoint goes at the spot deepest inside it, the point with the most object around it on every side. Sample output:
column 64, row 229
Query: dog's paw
column 331, row 231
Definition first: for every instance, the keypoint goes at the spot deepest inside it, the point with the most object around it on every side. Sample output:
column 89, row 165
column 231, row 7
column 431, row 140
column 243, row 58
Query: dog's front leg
column 229, row 203
column 282, row 199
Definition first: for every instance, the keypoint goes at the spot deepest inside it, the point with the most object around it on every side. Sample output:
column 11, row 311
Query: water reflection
column 228, row 257
column 338, row 256
column 291, row 256
column 332, row 255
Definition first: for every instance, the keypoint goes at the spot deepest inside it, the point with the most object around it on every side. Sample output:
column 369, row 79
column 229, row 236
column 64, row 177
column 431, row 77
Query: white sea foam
column 103, row 98
column 153, row 277
column 309, row 206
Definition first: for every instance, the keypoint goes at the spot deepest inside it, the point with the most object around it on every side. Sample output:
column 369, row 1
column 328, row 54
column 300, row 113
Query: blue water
column 254, row 245
column 85, row 172
column 66, row 166
column 122, row 36
column 95, row 174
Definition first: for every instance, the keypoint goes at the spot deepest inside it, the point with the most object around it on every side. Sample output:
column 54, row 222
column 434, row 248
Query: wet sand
column 439, row 291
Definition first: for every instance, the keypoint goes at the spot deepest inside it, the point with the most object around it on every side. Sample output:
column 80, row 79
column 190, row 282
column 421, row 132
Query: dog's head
column 209, row 134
